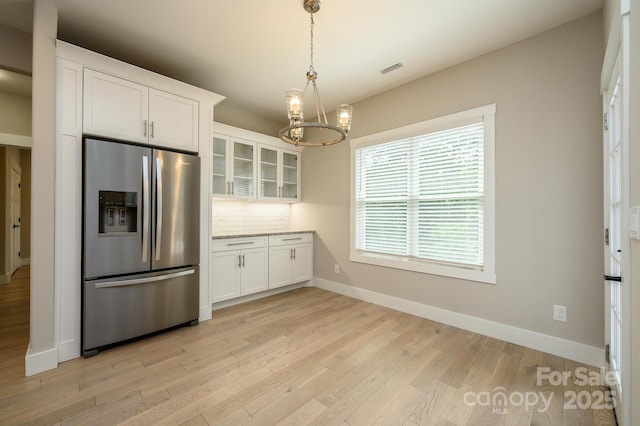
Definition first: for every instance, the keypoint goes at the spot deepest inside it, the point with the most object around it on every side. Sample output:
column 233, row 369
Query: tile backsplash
column 237, row 217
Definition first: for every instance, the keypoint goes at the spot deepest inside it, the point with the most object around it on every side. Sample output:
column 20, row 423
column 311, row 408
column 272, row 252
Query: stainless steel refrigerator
column 141, row 241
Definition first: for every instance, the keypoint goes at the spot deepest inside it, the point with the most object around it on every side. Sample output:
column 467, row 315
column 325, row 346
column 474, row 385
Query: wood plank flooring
column 303, row 357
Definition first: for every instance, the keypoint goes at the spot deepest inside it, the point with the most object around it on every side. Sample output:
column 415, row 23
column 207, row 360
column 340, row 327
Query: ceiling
column 252, row 51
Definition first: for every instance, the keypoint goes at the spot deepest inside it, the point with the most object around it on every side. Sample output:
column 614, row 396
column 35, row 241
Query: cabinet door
column 254, row 271
column 302, row 269
column 290, row 180
column 220, row 184
column 114, row 107
column 279, row 266
column 173, row 121
column 269, row 163
column 224, row 276
column 243, row 167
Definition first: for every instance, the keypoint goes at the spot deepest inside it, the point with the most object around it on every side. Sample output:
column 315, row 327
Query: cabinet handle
column 294, row 253
column 291, row 239
column 243, row 260
column 152, row 129
column 145, row 128
column 241, row 244
column 231, row 188
column 239, row 261
column 290, row 253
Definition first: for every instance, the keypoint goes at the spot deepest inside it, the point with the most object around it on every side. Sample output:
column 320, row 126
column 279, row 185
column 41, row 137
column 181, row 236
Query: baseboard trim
column 38, row 362
column 259, row 295
column 575, row 351
column 69, row 349
column 5, row 278
column 205, row 313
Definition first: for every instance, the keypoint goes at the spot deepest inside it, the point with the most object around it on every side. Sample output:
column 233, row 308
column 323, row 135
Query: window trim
column 487, row 274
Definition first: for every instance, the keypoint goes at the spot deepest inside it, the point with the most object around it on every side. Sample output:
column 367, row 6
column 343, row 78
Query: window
column 423, row 196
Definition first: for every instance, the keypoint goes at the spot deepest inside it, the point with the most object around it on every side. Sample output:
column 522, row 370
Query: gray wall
column 15, row 49
column 548, row 184
column 15, row 114
column 227, row 113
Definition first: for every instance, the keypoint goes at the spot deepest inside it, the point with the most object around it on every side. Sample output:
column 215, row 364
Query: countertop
column 259, row 234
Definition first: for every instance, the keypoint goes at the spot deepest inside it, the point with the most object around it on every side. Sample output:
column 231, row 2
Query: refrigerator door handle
column 145, row 207
column 158, row 207
column 144, row 280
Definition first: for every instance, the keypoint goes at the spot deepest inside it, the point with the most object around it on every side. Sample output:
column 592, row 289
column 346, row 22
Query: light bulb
column 344, row 117
column 294, row 104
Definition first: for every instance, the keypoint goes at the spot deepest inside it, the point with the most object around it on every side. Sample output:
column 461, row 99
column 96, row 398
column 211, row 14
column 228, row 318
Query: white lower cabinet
column 244, row 265
column 239, row 266
column 290, row 259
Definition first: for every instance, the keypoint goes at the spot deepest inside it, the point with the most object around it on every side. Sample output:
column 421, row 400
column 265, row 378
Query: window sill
column 424, row 267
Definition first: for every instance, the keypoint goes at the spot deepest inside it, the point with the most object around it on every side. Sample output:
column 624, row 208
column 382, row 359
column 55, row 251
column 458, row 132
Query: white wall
column 41, row 354
column 548, row 184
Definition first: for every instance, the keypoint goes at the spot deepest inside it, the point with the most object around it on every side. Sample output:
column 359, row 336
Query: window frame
column 487, row 273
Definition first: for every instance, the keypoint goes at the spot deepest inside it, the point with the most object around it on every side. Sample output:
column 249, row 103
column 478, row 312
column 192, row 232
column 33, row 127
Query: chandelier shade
column 327, row 134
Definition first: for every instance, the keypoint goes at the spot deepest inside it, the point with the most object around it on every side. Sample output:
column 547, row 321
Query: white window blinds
column 423, row 197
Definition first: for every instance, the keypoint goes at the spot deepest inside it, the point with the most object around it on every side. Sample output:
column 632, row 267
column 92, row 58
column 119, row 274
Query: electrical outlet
column 560, row 313
column 336, row 268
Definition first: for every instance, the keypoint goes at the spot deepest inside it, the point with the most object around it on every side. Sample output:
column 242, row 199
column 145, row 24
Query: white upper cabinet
column 220, row 169
column 173, row 121
column 233, row 168
column 279, row 174
column 249, row 165
column 114, row 107
column 121, row 109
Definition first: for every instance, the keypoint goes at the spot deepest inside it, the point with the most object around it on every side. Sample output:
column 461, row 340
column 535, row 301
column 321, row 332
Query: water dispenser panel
column 118, row 212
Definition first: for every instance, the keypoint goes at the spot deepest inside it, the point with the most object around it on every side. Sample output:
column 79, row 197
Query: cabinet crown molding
column 133, row 73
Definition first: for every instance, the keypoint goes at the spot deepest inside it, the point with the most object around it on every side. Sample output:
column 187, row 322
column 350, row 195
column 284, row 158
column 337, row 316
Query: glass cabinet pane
column 268, row 173
column 289, row 175
column 242, row 170
column 219, row 166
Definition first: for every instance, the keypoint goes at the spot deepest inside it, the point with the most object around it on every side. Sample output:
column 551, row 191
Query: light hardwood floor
column 304, row 357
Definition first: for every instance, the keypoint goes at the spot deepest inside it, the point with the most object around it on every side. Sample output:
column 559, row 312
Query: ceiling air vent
column 391, row 68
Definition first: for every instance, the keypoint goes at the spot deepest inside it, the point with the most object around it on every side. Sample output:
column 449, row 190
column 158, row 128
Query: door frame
column 14, row 243
column 616, row 62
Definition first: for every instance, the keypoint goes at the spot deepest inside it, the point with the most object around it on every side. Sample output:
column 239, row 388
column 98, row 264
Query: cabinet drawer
column 288, row 239
column 226, row 244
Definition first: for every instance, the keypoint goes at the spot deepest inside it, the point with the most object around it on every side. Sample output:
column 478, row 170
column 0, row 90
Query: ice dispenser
column 118, row 212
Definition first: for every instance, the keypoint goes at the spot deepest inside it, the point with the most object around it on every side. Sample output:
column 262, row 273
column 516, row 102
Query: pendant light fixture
column 327, row 134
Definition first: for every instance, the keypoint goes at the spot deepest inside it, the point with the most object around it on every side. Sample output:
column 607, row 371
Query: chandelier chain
column 311, row 69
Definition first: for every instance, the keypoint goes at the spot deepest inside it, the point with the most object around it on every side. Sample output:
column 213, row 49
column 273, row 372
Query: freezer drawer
column 122, row 308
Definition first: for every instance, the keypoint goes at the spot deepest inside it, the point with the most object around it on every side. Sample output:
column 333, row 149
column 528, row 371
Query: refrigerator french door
column 141, row 241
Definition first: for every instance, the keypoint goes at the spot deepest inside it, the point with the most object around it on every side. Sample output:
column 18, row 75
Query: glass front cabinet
column 251, row 166
column 233, row 168
column 279, row 174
